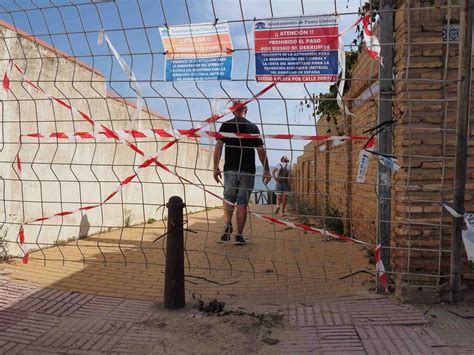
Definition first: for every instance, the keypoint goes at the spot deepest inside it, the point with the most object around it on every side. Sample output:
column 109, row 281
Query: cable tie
column 381, row 154
column 380, row 125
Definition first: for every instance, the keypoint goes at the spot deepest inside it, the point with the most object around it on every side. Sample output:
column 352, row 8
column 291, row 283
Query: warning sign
column 197, row 52
column 297, row 50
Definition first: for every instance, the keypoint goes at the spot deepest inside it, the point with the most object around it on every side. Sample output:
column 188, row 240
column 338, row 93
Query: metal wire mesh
column 58, row 52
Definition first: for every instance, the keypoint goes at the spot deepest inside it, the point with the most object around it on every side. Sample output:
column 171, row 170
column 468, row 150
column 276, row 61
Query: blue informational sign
column 197, row 52
column 297, row 50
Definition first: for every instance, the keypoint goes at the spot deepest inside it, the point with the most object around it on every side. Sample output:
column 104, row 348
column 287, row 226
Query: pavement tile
column 92, row 308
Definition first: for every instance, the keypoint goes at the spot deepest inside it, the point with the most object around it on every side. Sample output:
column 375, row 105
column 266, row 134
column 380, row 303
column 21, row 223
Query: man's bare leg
column 228, row 212
column 241, row 218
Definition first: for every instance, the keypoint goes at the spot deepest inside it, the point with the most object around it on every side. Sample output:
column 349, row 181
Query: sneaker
column 239, row 240
column 227, row 232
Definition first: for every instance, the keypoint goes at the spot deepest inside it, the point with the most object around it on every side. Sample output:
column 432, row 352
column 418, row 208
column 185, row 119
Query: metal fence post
column 174, row 269
column 385, row 113
column 464, row 90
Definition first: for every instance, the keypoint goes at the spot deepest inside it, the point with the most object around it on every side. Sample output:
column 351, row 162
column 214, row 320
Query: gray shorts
column 238, row 186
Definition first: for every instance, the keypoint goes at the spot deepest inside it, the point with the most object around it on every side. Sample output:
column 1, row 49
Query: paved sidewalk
column 279, row 264
column 288, row 292
column 42, row 320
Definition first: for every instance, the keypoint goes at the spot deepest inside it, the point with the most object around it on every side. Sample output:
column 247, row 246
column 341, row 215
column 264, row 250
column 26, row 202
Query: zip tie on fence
column 163, row 133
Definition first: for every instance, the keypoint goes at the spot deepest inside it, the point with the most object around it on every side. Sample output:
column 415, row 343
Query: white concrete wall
column 58, row 176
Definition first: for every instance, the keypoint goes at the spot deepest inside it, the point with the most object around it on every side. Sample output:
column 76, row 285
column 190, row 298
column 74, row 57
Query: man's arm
column 262, row 154
column 217, row 157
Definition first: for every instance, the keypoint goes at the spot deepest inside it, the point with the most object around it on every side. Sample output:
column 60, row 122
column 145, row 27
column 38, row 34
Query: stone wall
column 425, row 92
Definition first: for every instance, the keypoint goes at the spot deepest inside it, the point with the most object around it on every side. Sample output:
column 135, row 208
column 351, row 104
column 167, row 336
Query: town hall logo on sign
column 297, row 50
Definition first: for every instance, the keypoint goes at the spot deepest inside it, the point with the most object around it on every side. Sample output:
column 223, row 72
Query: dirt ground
column 230, row 331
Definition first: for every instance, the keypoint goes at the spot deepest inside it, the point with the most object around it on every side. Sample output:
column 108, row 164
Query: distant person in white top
column 281, row 174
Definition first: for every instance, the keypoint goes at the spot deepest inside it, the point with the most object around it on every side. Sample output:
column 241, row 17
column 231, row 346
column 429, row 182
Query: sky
column 132, row 25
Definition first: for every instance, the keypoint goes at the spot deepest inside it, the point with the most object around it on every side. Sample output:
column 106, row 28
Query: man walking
column 239, row 168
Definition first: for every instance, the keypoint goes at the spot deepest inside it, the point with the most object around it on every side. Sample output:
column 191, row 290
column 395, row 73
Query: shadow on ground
column 278, row 265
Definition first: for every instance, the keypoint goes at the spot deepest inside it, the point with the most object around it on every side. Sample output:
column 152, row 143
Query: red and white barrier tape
column 23, row 246
column 6, row 76
column 71, row 108
column 146, row 163
column 159, row 132
column 153, row 159
column 380, row 268
column 371, row 41
column 373, row 50
column 270, row 219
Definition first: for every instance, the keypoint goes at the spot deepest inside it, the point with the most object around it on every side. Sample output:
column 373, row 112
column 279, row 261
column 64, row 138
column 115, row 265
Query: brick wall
column 425, row 92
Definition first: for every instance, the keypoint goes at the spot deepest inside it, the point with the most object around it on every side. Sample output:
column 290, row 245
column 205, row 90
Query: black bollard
column 174, row 269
